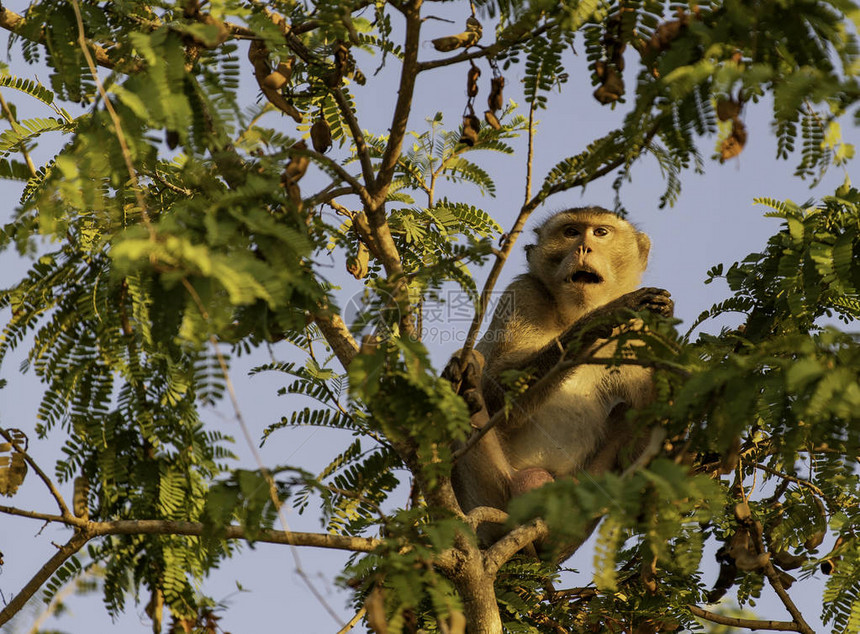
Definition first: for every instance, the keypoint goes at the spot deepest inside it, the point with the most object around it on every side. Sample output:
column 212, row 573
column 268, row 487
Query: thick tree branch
column 750, row 624
column 485, row 514
column 338, row 336
column 500, row 552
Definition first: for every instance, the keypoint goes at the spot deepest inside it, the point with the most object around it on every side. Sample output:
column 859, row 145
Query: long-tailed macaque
column 580, row 287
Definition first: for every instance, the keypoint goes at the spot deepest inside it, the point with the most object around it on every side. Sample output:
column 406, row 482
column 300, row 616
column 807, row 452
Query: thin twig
column 120, row 135
column 749, row 624
column 9, row 115
column 273, row 490
column 353, row 621
column 791, row 478
column 61, row 503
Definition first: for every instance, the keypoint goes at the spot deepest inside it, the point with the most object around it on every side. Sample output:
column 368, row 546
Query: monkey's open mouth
column 585, row 277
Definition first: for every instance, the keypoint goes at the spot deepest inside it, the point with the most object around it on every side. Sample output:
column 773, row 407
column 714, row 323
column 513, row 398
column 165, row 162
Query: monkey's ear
column 644, row 243
column 529, row 248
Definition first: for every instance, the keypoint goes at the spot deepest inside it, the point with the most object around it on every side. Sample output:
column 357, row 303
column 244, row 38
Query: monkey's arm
column 599, row 324
column 556, row 361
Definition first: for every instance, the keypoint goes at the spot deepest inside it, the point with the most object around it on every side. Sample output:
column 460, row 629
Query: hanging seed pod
column 80, row 498
column 496, row 100
column 13, row 467
column 612, row 88
column 471, row 126
column 472, row 81
column 274, row 80
column 258, row 55
column 728, row 109
column 286, row 67
column 341, row 66
column 828, row 566
column 469, row 37
column 787, row 561
column 734, row 144
column 492, row 120
column 648, row 574
column 171, row 137
column 357, row 266
column 321, row 135
column 298, row 165
column 785, row 579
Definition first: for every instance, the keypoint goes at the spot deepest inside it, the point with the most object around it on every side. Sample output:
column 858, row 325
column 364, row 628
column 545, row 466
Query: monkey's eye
column 601, row 231
column 570, row 231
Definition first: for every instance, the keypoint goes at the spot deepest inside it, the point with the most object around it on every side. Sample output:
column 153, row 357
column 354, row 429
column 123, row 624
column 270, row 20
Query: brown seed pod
column 469, row 37
column 472, row 81
column 286, row 67
column 648, row 574
column 785, row 579
column 471, row 125
column 734, row 144
column 375, row 606
column 744, row 556
column 321, row 135
column 612, row 88
column 814, row 541
column 664, row 34
column 357, row 266
column 80, row 504
column 496, row 100
column 828, row 566
column 492, row 120
column 728, row 109
column 729, row 460
column 171, row 137
column 742, row 512
column 275, row 80
column 258, row 55
column 787, row 561
column 298, row 165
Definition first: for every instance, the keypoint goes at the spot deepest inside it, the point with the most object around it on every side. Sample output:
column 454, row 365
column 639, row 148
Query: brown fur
column 585, row 267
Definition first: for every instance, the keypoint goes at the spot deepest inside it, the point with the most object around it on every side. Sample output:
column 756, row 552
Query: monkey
column 581, row 286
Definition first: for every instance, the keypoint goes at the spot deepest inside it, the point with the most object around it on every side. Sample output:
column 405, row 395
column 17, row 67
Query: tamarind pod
column 492, row 120
column 472, row 81
column 321, row 135
column 496, row 101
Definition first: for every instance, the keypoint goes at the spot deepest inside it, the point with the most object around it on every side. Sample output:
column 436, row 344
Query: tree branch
column 403, row 106
column 361, row 150
column 500, row 552
column 61, row 503
column 338, row 336
column 64, row 553
column 750, row 624
column 485, row 514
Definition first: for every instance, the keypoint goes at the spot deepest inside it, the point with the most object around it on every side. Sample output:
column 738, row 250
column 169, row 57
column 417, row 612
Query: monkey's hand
column 600, row 323
column 656, row 300
column 466, row 381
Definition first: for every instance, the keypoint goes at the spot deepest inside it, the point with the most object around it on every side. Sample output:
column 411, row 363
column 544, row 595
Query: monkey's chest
column 575, row 421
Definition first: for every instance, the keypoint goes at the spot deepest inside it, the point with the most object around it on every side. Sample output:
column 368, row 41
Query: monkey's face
column 587, row 258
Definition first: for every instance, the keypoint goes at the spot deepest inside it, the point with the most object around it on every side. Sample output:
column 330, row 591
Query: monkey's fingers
column 474, row 400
